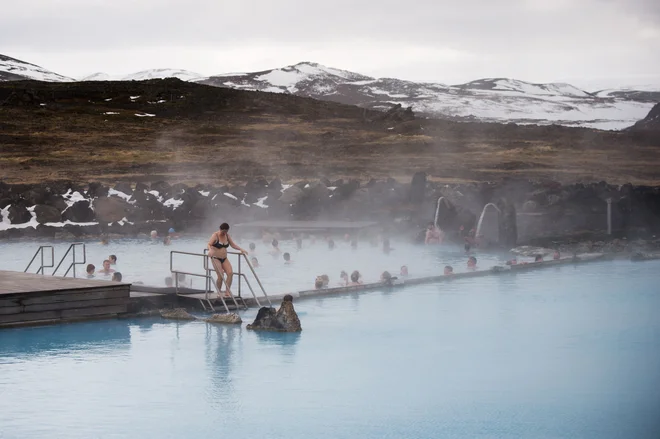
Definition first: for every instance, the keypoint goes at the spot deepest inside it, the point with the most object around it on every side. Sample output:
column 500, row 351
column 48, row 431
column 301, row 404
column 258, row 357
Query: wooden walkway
column 27, row 298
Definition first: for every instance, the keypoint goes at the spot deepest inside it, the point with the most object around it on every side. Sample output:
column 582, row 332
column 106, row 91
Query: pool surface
column 146, row 261
column 566, row 352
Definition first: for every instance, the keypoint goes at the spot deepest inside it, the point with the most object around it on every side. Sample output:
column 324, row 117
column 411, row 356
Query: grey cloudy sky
column 587, row 42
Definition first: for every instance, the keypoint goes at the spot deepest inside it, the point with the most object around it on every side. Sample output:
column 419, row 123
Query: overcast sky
column 591, row 43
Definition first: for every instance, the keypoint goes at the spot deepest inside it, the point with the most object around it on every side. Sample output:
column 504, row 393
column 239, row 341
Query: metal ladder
column 40, row 250
column 72, row 265
column 206, row 302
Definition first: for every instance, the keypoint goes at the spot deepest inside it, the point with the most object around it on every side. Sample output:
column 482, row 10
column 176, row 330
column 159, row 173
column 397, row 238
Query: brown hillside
column 64, row 131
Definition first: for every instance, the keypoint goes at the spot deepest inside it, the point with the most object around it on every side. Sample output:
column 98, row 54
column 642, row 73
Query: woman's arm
column 233, row 245
column 209, row 245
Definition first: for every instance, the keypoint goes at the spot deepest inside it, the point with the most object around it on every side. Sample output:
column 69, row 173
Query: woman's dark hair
column 224, row 226
column 252, row 246
column 355, row 276
column 90, row 267
column 275, row 243
column 386, row 276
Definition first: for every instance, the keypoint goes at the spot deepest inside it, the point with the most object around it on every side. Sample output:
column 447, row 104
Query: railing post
column 41, row 250
column 609, row 216
column 239, row 275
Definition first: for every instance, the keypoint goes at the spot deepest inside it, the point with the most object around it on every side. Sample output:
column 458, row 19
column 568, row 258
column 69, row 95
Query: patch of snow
column 118, row 194
column 5, row 224
column 70, row 223
column 332, row 188
column 260, row 202
column 173, row 203
column 42, row 105
column 204, row 193
column 72, row 197
column 285, row 187
column 145, row 115
column 110, row 112
column 227, row 194
column 157, row 195
column 107, row 100
column 134, row 97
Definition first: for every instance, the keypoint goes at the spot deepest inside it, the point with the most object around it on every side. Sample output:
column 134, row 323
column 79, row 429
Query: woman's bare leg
column 219, row 271
column 226, row 266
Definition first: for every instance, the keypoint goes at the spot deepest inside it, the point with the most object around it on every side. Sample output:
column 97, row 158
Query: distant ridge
column 501, row 100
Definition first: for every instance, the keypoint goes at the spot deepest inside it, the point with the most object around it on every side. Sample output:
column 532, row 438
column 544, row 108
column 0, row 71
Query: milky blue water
column 570, row 352
column 147, row 261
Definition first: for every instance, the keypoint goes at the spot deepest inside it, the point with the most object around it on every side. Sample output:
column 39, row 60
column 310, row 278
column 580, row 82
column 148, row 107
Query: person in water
column 112, row 259
column 275, row 251
column 343, row 278
column 449, row 270
column 433, row 235
column 90, row 271
column 355, row 278
column 404, row 270
column 538, row 258
column 255, row 262
column 472, row 263
column 287, row 258
column 218, row 245
column 106, row 268
column 116, row 276
column 556, row 256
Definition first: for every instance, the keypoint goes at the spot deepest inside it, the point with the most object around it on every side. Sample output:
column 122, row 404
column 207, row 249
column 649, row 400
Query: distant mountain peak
column 12, row 69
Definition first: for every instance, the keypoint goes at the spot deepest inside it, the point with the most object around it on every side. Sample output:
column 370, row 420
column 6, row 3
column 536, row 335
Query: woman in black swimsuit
column 218, row 245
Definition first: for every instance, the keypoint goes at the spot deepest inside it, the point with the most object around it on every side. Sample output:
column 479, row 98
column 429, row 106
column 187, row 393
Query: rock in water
column 288, row 316
column 284, row 319
column 177, row 314
column 231, row 318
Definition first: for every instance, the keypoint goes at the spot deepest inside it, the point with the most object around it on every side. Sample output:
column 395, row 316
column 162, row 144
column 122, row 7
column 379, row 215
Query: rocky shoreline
column 543, row 213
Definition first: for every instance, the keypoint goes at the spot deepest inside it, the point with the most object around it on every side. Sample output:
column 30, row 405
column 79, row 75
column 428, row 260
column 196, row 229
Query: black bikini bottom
column 222, row 260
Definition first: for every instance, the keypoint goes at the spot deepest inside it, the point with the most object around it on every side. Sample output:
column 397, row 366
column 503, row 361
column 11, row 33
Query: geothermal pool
column 565, row 352
column 147, row 261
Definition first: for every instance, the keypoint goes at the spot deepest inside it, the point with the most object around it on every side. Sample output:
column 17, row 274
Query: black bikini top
column 218, row 244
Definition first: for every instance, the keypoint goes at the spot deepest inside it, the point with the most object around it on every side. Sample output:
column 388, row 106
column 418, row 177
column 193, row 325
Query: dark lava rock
column 47, row 214
column 124, row 187
column 79, row 212
column 18, row 214
column 111, row 209
column 96, row 189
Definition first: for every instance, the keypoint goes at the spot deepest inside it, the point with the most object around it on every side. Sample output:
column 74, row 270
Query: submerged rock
column 284, row 319
column 177, row 314
column 231, row 318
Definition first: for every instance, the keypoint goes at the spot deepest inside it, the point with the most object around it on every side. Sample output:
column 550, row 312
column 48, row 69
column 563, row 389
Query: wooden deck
column 27, row 298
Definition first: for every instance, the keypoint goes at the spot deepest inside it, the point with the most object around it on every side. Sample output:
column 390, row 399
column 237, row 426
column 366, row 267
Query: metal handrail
column 42, row 266
column 209, row 278
column 254, row 273
column 73, row 263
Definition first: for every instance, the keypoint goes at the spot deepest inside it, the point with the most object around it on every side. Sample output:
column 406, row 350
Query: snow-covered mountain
column 12, row 69
column 183, row 75
column 492, row 99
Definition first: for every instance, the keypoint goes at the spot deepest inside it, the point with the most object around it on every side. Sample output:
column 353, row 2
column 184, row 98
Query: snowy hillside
column 12, row 69
column 492, row 99
column 183, row 75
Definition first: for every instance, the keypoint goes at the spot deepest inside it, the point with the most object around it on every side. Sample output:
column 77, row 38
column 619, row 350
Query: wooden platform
column 27, row 298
